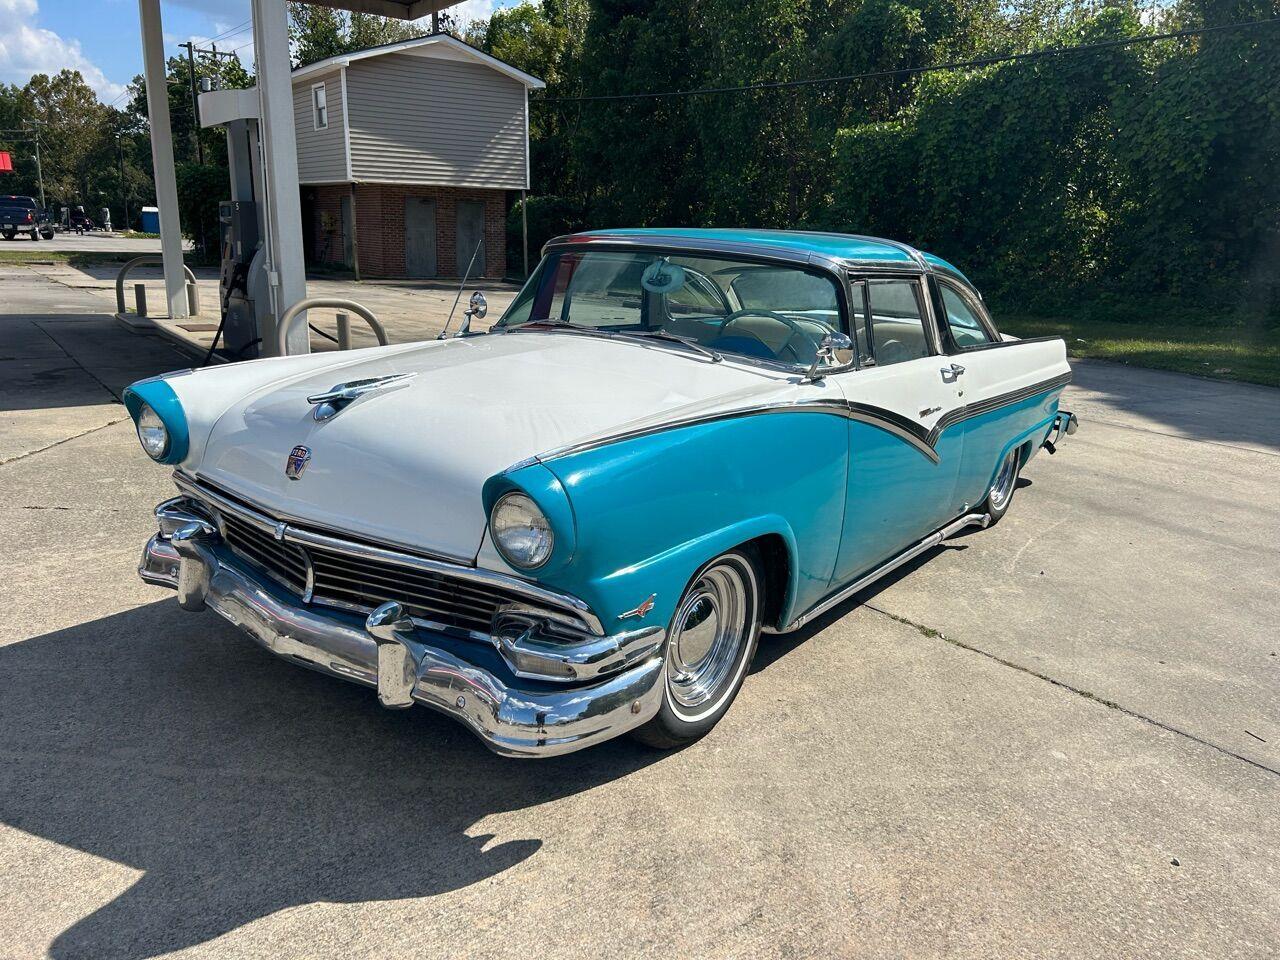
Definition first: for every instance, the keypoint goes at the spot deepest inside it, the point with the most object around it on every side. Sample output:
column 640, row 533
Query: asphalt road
column 93, row 241
column 1059, row 737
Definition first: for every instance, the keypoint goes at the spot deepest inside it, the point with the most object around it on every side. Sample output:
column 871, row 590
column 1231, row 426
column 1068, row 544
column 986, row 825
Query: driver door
column 901, row 479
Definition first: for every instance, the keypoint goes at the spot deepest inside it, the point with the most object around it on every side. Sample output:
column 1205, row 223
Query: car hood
column 406, row 464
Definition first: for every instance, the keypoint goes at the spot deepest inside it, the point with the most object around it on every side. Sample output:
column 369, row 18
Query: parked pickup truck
column 24, row 215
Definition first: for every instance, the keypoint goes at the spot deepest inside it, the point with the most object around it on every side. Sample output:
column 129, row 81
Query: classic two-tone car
column 578, row 523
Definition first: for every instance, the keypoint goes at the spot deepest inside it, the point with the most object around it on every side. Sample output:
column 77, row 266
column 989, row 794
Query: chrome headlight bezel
column 515, row 515
column 153, row 433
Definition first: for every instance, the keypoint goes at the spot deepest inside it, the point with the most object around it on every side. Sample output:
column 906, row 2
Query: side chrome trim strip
column 303, row 537
column 844, row 593
column 906, row 429
column 979, row 407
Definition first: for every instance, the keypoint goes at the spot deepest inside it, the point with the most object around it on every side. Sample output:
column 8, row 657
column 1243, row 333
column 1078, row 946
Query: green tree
column 200, row 185
column 318, row 33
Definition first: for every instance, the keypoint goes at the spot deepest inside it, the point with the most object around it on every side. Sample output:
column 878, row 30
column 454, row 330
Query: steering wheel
column 794, row 330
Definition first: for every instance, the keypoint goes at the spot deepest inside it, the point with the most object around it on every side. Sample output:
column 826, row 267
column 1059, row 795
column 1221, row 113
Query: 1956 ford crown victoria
column 579, row 523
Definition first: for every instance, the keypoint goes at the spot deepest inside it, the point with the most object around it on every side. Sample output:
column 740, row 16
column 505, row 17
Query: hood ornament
column 296, row 462
column 331, row 403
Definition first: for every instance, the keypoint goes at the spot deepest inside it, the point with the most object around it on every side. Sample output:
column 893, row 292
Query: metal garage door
column 471, row 237
column 420, row 237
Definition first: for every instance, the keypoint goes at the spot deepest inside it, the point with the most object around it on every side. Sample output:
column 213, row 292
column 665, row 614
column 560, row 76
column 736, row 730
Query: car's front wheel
column 710, row 645
column 1001, row 493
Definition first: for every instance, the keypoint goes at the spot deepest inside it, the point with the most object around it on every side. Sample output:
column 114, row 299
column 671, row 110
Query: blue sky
column 100, row 37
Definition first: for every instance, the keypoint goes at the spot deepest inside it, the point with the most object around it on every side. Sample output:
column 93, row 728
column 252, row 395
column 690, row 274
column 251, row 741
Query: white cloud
column 26, row 48
column 474, row 10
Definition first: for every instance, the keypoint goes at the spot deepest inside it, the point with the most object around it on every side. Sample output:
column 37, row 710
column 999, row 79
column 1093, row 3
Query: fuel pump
column 243, row 294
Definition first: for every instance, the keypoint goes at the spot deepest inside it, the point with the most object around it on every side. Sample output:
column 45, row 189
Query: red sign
column 6, row 163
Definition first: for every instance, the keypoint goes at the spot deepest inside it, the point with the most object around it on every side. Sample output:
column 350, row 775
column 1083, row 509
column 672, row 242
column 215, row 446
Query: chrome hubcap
column 707, row 639
column 1002, row 489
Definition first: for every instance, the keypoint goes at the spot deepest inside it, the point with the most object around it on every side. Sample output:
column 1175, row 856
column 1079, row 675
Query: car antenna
column 475, row 253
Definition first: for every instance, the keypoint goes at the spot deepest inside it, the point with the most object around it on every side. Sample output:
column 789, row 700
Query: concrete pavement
column 410, row 310
column 1057, row 737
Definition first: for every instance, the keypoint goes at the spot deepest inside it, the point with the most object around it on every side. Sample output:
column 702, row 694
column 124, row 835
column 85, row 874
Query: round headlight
column 152, row 433
column 521, row 531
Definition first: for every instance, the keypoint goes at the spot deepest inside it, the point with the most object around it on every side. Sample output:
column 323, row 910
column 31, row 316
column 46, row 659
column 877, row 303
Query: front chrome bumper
column 404, row 662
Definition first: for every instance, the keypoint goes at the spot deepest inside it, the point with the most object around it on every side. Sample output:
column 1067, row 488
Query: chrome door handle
column 949, row 374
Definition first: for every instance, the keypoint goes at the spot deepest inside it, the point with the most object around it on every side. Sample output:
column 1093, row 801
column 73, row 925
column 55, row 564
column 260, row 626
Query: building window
column 319, row 107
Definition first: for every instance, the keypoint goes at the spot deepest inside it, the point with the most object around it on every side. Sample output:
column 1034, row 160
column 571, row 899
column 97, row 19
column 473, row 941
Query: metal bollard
column 193, row 298
column 140, row 298
column 344, row 330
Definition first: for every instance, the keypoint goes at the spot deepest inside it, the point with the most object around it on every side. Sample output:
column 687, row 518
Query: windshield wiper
column 670, row 337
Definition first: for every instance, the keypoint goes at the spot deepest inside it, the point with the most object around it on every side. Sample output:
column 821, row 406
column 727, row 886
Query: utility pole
column 195, row 100
column 124, row 190
column 39, row 169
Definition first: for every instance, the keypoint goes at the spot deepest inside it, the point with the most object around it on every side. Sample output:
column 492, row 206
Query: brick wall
column 380, row 227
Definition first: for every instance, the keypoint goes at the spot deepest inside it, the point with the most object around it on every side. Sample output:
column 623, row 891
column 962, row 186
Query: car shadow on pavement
column 773, row 647
column 241, row 785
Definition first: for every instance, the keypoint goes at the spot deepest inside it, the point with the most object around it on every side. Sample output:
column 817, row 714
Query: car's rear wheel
column 710, row 644
column 1006, row 481
column 9, row 236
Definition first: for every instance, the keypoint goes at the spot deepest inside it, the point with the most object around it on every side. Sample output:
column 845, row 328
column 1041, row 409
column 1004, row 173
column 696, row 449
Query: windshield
column 769, row 312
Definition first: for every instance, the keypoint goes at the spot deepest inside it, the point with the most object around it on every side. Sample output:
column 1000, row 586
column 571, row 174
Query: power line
column 230, row 33
column 913, row 71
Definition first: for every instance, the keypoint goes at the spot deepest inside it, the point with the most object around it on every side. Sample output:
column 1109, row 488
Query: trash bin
column 150, row 219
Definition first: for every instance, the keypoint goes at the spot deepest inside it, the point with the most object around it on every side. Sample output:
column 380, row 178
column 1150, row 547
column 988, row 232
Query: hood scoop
column 333, row 401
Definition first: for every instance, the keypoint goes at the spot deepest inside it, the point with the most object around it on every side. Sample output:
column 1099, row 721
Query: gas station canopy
column 403, row 9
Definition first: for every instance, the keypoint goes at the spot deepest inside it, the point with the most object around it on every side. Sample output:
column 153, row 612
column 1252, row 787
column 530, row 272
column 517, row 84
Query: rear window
column 18, row 202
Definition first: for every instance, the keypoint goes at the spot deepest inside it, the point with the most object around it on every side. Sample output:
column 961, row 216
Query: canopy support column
column 175, row 282
column 286, row 270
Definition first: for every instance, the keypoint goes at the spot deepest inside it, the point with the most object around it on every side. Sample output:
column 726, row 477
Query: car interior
column 770, row 312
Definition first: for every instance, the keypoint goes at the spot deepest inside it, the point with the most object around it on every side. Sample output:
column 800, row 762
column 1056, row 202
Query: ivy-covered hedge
column 1139, row 169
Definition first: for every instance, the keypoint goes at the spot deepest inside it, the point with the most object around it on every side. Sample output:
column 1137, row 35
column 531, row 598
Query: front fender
column 650, row 510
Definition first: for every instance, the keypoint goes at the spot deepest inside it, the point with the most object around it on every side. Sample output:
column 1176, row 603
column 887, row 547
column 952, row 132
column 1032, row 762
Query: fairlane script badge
column 299, row 457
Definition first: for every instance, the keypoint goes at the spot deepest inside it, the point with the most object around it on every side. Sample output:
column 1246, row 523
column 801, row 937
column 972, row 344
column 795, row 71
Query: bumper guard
column 397, row 657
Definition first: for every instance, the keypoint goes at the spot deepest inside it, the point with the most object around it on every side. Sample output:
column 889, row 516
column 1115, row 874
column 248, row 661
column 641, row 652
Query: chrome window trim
column 304, row 537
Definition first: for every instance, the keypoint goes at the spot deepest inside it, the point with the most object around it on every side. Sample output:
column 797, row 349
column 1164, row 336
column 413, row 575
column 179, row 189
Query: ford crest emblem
column 299, row 457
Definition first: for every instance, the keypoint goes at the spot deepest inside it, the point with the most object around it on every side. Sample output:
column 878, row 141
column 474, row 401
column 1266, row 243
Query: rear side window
column 967, row 329
column 897, row 321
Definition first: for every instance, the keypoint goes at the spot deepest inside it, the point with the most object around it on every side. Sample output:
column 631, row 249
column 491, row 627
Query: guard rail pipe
column 155, row 260
column 293, row 313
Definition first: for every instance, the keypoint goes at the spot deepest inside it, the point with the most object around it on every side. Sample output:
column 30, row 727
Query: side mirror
column 477, row 306
column 835, row 355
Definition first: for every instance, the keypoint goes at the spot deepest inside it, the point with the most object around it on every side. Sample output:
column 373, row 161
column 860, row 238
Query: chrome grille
column 428, row 596
column 328, row 577
column 283, row 561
